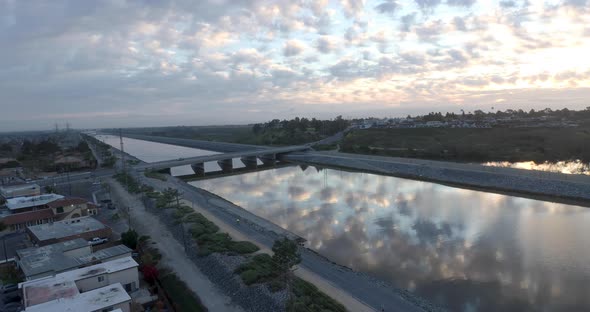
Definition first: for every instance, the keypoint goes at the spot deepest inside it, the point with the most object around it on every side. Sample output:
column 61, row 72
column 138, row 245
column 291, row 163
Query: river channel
column 463, row 249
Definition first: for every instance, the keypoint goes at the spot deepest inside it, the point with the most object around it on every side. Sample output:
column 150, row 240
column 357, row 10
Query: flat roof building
column 94, row 288
column 38, row 262
column 30, row 202
column 20, row 190
column 59, row 231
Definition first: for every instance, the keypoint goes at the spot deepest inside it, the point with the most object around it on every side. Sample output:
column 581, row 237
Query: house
column 101, row 287
column 59, row 231
column 20, row 190
column 38, row 262
column 36, row 210
column 72, row 207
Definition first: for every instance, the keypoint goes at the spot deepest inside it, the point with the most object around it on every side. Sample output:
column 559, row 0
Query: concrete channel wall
column 572, row 189
column 207, row 145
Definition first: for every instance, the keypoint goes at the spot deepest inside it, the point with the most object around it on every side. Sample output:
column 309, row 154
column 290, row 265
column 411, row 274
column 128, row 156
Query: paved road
column 201, row 159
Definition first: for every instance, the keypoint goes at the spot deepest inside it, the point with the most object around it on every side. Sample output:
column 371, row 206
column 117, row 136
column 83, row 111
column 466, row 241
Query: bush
column 243, row 247
column 249, row 277
column 129, row 239
column 263, row 266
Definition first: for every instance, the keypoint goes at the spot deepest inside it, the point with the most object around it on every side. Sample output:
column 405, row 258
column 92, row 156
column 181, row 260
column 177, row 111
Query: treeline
column 297, row 130
column 479, row 114
column 31, row 150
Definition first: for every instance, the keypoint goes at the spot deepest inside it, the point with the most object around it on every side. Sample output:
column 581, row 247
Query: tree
column 150, row 273
column 2, row 226
column 286, row 254
column 129, row 239
column 50, row 189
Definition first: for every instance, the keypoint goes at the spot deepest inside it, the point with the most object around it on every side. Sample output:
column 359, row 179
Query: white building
column 101, row 287
column 38, row 262
column 20, row 190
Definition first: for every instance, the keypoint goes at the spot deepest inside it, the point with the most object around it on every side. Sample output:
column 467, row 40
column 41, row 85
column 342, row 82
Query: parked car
column 9, row 288
column 98, row 241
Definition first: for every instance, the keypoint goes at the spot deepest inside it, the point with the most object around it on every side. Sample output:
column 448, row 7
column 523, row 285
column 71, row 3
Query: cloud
column 407, row 21
column 326, row 44
column 179, row 61
column 387, row 7
column 459, row 24
column 427, row 4
column 293, row 48
column 461, row 3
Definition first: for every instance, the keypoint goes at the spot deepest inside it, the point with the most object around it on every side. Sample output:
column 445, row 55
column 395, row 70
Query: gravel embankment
column 219, row 268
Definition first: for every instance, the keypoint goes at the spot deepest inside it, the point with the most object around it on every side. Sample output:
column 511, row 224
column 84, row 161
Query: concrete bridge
column 268, row 156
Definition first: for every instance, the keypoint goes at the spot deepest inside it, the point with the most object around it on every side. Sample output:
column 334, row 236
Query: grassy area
column 127, row 180
column 479, row 145
column 325, row 147
column 155, row 175
column 308, row 298
column 207, row 236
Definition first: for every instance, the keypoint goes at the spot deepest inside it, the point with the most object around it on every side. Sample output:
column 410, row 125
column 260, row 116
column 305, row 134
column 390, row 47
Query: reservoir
column 463, row 249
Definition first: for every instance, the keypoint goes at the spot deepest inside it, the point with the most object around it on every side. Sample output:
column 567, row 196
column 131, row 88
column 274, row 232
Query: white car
column 98, row 241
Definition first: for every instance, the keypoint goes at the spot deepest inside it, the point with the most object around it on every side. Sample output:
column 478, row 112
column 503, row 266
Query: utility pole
column 123, row 159
column 181, row 220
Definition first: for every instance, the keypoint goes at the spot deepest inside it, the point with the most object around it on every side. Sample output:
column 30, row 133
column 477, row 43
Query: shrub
column 243, row 247
column 249, row 277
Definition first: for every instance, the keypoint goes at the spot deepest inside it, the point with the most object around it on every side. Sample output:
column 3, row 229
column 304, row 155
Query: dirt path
column 173, row 255
column 349, row 302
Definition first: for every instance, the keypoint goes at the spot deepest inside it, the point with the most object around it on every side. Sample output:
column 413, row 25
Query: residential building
column 38, row 262
column 59, row 231
column 36, row 210
column 30, row 203
column 20, row 190
column 101, row 287
column 72, row 207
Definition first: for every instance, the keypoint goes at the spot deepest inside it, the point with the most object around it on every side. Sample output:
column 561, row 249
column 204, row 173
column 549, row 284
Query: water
column 567, row 167
column 467, row 250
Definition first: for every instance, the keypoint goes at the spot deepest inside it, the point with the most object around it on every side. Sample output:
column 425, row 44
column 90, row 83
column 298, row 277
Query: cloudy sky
column 196, row 62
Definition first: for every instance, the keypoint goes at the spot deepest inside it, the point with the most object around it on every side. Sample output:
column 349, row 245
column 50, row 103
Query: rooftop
column 65, row 228
column 63, row 285
column 31, row 201
column 67, row 201
column 51, row 259
column 94, row 300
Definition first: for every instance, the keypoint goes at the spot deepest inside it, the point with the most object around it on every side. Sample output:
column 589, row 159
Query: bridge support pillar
column 199, row 169
column 165, row 171
column 268, row 159
column 226, row 165
column 250, row 162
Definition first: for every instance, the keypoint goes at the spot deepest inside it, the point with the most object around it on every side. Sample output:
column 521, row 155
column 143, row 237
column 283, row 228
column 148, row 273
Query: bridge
column 268, row 156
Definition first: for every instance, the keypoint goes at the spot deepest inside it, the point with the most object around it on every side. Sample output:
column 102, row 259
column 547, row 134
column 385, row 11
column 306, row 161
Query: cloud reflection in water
column 468, row 250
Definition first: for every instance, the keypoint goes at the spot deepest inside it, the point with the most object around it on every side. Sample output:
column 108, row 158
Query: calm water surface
column 467, row 250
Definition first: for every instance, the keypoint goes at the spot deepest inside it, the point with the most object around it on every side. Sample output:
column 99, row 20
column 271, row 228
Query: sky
column 118, row 63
